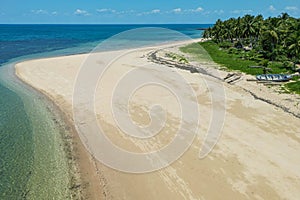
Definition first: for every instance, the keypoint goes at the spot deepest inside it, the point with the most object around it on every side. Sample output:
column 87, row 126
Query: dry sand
column 257, row 156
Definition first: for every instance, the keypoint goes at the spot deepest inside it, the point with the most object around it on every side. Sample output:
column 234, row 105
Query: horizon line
column 106, row 23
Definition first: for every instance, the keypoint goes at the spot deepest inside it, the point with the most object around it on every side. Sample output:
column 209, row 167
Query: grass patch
column 231, row 58
column 177, row 57
column 235, row 59
column 294, row 87
column 197, row 51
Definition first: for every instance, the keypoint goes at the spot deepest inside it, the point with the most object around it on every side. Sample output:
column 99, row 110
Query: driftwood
column 251, row 79
column 235, row 79
column 229, row 76
column 154, row 57
column 232, row 78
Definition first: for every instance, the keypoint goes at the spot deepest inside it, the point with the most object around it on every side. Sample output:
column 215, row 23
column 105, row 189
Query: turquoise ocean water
column 33, row 159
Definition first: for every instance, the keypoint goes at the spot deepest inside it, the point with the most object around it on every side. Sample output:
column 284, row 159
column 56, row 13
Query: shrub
column 276, row 67
column 264, row 63
column 225, row 45
column 238, row 45
column 233, row 51
column 288, row 65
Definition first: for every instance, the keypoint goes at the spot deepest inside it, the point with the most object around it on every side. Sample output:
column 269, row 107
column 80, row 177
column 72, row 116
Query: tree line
column 273, row 38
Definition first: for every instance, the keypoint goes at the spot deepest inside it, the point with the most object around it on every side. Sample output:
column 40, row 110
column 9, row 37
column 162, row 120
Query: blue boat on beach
column 274, row 77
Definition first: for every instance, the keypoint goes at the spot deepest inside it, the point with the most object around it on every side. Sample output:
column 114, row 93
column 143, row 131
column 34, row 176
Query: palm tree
column 249, row 27
column 237, row 30
column 218, row 30
column 285, row 16
column 294, row 46
column 269, row 41
column 229, row 27
column 258, row 21
column 271, row 37
column 207, row 33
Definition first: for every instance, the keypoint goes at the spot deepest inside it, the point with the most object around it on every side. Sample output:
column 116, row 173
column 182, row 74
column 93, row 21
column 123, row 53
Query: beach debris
column 247, row 48
column 158, row 58
column 228, row 76
column 251, row 79
column 232, row 78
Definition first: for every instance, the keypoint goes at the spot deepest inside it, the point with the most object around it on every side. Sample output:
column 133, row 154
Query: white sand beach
column 256, row 157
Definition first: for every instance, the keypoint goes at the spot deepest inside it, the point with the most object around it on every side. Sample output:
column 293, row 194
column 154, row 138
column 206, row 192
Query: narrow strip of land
column 255, row 158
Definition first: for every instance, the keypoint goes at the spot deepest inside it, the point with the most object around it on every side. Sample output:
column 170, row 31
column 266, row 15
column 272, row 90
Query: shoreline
column 57, row 116
column 97, row 173
column 77, row 155
column 85, row 164
column 64, row 125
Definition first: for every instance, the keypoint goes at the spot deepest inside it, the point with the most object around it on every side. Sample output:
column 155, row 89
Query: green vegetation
column 294, row 86
column 199, row 53
column 273, row 43
column 274, row 39
column 223, row 57
column 177, row 57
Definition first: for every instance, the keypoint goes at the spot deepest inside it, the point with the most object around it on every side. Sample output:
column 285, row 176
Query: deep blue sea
column 33, row 162
column 20, row 40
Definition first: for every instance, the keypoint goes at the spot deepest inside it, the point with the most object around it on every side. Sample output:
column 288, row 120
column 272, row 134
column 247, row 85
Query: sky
column 138, row 11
